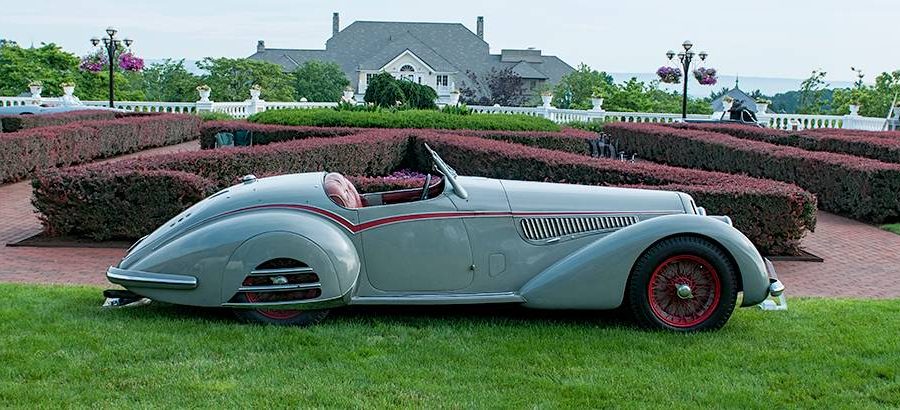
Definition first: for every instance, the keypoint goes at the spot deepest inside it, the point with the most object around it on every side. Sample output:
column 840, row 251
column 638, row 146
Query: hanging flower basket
column 93, row 62
column 705, row 76
column 130, row 62
column 669, row 75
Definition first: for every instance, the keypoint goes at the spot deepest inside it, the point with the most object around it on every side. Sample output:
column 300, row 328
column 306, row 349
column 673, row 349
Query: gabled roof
column 527, row 70
column 401, row 43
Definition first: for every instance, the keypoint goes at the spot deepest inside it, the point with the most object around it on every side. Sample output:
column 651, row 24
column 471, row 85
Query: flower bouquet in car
column 705, row 76
column 669, row 75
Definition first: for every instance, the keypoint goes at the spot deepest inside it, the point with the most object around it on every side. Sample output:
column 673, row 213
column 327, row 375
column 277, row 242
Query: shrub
column 13, row 123
column 857, row 187
column 774, row 215
column 460, row 109
column 24, row 152
column 839, row 141
column 383, row 90
column 404, row 119
column 417, row 96
column 215, row 116
column 263, row 134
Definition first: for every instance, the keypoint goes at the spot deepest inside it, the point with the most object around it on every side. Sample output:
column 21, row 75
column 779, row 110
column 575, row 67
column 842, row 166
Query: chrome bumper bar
column 136, row 278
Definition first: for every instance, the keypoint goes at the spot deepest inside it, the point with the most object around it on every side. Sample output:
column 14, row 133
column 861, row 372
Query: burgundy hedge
column 24, row 152
column 857, row 187
column 774, row 215
column 860, row 143
column 12, row 123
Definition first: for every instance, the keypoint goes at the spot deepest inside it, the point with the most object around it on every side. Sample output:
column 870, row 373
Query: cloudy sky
column 764, row 38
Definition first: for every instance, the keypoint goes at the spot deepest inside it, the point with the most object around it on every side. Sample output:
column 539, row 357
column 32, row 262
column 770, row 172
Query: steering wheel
column 425, row 188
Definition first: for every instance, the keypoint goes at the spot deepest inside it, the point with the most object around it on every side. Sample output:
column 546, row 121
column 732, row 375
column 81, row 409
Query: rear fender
column 222, row 252
column 595, row 276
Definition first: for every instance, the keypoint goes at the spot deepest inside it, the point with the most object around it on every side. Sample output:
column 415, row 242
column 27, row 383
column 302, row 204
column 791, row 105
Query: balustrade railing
column 243, row 109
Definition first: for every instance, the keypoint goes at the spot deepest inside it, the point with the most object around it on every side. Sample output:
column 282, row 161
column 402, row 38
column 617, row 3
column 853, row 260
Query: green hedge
column 403, row 119
column 856, row 187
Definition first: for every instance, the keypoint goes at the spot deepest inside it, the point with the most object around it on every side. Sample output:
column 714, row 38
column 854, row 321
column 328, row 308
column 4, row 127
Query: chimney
column 260, row 46
column 335, row 24
column 479, row 24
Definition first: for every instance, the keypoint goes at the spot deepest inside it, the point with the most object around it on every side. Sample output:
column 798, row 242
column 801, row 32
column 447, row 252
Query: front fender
column 221, row 252
column 595, row 276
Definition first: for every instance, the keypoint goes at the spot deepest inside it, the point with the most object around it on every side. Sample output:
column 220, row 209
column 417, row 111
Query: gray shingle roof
column 747, row 101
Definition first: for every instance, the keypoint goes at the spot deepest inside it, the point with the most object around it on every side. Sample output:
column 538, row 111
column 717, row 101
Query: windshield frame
column 448, row 172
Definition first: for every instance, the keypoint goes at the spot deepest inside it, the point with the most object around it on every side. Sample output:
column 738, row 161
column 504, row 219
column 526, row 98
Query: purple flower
column 669, row 75
column 130, row 62
column 705, row 76
column 94, row 62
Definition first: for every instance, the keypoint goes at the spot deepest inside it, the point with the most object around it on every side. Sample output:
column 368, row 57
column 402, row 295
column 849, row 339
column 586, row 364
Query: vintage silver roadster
column 284, row 249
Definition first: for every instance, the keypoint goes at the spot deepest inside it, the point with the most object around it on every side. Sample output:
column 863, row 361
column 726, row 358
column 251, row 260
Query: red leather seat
column 342, row 191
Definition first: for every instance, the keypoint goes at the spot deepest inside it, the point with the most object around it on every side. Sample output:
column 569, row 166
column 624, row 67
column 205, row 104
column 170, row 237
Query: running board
column 439, row 299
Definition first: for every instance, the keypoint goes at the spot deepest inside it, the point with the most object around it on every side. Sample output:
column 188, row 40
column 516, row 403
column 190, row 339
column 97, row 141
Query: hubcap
column 683, row 291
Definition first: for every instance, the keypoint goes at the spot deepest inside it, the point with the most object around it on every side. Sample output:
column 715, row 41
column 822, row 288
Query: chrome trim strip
column 150, row 279
column 283, row 271
column 439, row 299
column 310, row 304
column 278, row 288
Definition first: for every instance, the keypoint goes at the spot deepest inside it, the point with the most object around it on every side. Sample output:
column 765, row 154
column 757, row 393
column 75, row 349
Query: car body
column 274, row 248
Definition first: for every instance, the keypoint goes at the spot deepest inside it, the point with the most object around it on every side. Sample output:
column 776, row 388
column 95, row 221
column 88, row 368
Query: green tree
column 636, row 96
column 48, row 64
column 383, row 90
column 231, row 79
column 874, row 100
column 170, row 81
column 320, row 81
column 574, row 90
column 812, row 94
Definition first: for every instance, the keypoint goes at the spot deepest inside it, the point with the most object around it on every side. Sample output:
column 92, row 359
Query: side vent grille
column 546, row 228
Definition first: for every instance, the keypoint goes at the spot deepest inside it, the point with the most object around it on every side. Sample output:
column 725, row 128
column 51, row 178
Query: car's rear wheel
column 280, row 317
column 683, row 284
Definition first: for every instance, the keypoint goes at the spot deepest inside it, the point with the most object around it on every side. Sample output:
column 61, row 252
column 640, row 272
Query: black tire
column 672, row 264
column 280, row 317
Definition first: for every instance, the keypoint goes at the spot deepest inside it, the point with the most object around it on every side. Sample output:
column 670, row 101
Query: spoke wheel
column 683, row 284
column 274, row 314
column 279, row 317
column 684, row 290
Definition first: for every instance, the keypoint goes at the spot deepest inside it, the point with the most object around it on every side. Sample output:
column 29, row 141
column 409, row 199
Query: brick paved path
column 860, row 260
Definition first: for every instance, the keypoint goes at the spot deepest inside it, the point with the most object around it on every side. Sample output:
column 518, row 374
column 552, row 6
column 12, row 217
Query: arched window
column 407, row 67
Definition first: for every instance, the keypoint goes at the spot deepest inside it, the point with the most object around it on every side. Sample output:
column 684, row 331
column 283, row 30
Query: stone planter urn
column 854, row 109
column 254, row 93
column 761, row 108
column 726, row 105
column 347, row 95
column 454, row 98
column 597, row 104
column 35, row 91
column 69, row 90
column 204, row 95
column 547, row 99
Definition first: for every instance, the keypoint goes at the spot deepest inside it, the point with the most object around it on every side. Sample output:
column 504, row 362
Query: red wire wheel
column 684, row 291
column 274, row 314
column 683, row 284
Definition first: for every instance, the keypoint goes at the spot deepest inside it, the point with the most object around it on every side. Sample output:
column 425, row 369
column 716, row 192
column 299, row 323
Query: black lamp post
column 111, row 44
column 686, row 57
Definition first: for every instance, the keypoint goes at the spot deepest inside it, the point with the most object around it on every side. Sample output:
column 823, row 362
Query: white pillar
column 255, row 105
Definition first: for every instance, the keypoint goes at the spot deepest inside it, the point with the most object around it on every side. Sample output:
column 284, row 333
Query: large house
column 439, row 55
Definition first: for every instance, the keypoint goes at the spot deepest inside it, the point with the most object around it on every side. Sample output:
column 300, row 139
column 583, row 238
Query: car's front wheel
column 278, row 316
column 683, row 284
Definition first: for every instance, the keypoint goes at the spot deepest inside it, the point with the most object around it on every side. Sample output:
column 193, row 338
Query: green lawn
column 58, row 348
column 895, row 228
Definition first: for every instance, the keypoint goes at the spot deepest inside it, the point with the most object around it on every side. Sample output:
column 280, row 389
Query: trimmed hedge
column 774, row 215
column 431, row 119
column 856, row 133
column 264, row 134
column 24, row 152
column 860, row 188
column 13, row 123
column 834, row 140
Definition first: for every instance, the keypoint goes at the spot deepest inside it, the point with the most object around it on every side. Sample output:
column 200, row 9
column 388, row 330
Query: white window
column 369, row 77
column 443, row 80
column 407, row 67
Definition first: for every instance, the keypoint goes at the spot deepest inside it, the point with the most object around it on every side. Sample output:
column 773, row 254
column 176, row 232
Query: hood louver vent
column 546, row 228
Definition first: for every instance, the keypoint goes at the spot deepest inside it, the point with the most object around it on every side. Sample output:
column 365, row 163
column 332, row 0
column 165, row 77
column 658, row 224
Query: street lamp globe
column 670, row 54
column 703, row 55
column 111, row 31
column 128, row 42
column 687, row 45
column 95, row 41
